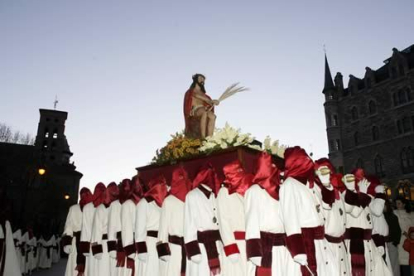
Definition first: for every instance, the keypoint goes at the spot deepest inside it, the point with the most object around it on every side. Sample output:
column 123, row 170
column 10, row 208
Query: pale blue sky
column 121, row 68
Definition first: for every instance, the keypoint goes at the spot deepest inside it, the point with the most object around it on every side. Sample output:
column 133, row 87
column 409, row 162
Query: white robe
column 31, row 263
column 114, row 227
column 300, row 209
column 200, row 214
column 335, row 226
column 374, row 264
column 380, row 227
column 18, row 243
column 231, row 217
column 127, row 233
column 99, row 229
column 172, row 224
column 263, row 214
column 56, row 250
column 147, row 219
column 73, row 225
column 24, row 240
column 11, row 263
column 86, row 236
column 45, row 258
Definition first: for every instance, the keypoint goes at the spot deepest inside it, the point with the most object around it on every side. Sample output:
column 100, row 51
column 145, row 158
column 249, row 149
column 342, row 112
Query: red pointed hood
column 125, row 190
column 137, row 191
column 99, row 194
column 267, row 175
column 299, row 165
column 336, row 181
column 157, row 190
column 207, row 176
column 113, row 192
column 236, row 179
column 374, row 183
column 85, row 197
column 359, row 175
column 180, row 184
column 324, row 162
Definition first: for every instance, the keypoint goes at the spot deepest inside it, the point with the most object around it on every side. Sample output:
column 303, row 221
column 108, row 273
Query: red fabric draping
column 299, row 165
column 207, row 176
column 157, row 190
column 324, row 162
column 374, row 183
column 99, row 194
column 125, row 190
column 359, row 175
column 85, row 197
column 336, row 181
column 112, row 193
column 136, row 190
column 180, row 184
column 267, row 175
column 236, row 179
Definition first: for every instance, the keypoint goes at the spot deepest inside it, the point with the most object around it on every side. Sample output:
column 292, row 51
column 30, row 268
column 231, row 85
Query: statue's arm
column 203, row 98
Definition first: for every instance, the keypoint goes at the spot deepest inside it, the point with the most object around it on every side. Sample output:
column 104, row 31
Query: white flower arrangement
column 274, row 148
column 225, row 138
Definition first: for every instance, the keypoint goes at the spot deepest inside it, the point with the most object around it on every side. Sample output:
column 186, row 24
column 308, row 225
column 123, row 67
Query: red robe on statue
column 192, row 127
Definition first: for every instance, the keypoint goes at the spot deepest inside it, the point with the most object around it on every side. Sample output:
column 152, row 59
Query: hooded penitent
column 299, row 165
column 112, row 192
column 207, row 176
column 236, row 179
column 180, row 184
column 157, row 190
column 267, row 175
column 85, row 197
column 99, row 194
column 329, row 196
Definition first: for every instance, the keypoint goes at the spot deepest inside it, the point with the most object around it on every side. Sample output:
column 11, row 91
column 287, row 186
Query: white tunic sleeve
column 114, row 221
column 224, row 217
column 290, row 211
column 97, row 227
column 127, row 232
column 68, row 224
column 141, row 225
column 164, row 223
column 377, row 206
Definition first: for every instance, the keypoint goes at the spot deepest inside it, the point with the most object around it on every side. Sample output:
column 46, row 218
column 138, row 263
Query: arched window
column 379, row 170
column 53, row 146
column 356, row 138
column 372, row 107
column 407, row 160
column 354, row 112
column 46, row 133
column 335, row 120
column 375, row 133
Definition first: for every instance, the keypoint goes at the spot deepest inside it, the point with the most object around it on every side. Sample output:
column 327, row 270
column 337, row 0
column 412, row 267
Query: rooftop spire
column 328, row 77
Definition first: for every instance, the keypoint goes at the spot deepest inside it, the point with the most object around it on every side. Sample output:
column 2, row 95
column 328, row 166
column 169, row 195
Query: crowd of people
column 22, row 253
column 302, row 219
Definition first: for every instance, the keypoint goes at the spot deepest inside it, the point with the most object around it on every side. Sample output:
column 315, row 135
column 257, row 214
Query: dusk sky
column 121, row 68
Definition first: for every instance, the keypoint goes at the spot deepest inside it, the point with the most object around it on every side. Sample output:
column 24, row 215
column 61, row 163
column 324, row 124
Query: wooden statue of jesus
column 199, row 110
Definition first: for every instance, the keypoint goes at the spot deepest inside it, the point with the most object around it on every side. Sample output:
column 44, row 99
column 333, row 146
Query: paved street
column 56, row 270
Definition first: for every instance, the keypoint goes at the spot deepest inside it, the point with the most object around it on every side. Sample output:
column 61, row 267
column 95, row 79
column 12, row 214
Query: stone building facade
column 370, row 123
column 40, row 201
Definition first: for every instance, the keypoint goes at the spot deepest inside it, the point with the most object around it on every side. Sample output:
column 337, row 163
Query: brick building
column 370, row 124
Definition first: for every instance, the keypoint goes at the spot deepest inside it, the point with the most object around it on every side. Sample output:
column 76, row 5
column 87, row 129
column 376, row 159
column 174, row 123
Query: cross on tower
column 55, row 102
